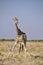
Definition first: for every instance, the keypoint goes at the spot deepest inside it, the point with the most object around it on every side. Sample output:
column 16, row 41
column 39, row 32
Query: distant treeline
column 7, row 40
column 35, row 40
column 27, row 40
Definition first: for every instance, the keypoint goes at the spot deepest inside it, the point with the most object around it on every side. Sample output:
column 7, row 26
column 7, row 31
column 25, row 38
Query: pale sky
column 30, row 15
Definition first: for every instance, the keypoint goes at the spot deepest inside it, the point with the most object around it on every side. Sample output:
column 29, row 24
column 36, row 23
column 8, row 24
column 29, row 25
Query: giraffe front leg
column 14, row 45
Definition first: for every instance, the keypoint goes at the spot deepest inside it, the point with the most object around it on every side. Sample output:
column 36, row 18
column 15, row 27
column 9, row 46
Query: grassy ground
column 35, row 49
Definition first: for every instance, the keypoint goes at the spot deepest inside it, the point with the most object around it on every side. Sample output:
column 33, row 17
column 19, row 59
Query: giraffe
column 20, row 37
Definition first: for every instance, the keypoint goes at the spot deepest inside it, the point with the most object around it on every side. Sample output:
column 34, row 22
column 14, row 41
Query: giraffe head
column 15, row 20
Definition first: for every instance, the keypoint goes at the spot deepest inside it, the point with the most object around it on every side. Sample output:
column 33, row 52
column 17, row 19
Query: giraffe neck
column 16, row 29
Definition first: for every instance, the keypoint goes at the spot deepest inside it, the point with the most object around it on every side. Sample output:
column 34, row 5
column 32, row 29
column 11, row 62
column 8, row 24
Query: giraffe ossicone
column 16, row 20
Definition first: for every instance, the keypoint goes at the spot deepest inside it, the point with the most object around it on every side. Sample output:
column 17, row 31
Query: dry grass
column 34, row 48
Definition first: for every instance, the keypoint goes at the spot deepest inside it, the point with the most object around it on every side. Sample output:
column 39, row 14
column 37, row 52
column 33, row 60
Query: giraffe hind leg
column 24, row 48
column 24, row 45
column 20, row 48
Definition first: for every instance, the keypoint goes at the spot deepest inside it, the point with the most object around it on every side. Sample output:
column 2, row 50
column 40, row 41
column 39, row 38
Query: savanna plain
column 34, row 48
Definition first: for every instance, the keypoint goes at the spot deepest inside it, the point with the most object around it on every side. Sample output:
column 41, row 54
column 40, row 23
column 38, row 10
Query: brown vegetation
column 34, row 48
